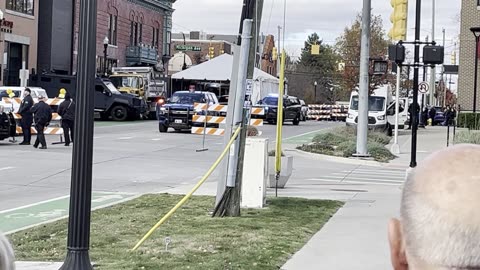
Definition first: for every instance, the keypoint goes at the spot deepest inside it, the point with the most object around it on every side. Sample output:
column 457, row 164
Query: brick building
column 138, row 33
column 18, row 39
column 470, row 17
column 268, row 64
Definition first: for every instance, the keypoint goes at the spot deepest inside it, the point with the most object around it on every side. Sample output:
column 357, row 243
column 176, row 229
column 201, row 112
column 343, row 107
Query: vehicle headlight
column 266, row 108
column 162, row 110
column 381, row 117
column 351, row 116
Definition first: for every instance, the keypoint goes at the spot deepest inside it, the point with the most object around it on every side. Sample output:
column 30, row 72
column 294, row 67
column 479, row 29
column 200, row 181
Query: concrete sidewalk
column 356, row 236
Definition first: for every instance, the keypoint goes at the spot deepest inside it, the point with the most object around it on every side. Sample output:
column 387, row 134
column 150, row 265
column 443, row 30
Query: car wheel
column 119, row 113
column 162, row 128
column 296, row 121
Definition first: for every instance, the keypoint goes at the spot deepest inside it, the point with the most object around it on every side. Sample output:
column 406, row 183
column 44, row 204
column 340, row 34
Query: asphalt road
column 128, row 157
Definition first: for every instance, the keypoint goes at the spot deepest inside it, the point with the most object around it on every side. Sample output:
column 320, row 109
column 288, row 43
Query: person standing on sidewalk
column 67, row 111
column 42, row 116
column 27, row 116
column 439, row 226
column 7, row 256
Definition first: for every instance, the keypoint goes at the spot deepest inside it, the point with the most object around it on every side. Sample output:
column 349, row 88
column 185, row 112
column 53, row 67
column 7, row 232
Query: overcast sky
column 326, row 17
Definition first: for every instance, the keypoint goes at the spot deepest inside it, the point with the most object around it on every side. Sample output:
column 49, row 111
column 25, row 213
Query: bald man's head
column 440, row 213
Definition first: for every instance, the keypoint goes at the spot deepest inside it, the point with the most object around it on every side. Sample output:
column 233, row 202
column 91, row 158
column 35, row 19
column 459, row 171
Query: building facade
column 269, row 61
column 135, row 33
column 470, row 17
column 19, row 38
column 138, row 32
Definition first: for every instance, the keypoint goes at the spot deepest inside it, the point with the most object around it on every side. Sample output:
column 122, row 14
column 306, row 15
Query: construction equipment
column 145, row 82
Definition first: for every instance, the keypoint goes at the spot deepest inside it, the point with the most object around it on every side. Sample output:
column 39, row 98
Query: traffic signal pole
column 362, row 125
column 414, row 115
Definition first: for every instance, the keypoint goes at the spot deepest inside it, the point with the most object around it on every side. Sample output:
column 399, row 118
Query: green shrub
column 379, row 152
column 472, row 137
column 378, row 137
column 318, row 148
column 330, row 138
column 469, row 120
column 347, row 149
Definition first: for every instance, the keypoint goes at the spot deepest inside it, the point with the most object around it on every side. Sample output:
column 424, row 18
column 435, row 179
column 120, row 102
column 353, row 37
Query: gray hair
column 435, row 236
column 7, row 257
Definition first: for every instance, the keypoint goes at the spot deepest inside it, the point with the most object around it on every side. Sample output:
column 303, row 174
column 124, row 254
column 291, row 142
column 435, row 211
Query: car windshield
column 270, row 101
column 187, row 98
column 112, row 88
column 37, row 92
column 125, row 81
column 375, row 104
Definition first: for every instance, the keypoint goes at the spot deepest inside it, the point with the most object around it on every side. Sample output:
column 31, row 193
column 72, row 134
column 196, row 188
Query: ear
column 397, row 249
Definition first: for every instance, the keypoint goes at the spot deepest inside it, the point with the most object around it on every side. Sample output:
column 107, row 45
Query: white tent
column 220, row 69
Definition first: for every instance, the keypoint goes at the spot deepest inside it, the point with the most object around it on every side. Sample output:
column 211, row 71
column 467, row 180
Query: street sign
column 423, row 87
column 249, row 91
column 188, row 48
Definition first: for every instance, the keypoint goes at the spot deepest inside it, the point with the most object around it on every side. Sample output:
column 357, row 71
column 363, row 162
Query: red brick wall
column 127, row 11
column 268, row 65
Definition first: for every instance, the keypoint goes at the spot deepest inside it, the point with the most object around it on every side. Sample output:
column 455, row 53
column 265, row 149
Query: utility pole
column 434, row 69
column 362, row 125
column 229, row 204
column 443, row 74
column 78, row 241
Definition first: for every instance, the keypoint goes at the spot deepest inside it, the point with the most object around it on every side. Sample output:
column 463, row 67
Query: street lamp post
column 315, row 91
column 476, row 33
column 105, row 48
column 184, row 54
column 78, row 240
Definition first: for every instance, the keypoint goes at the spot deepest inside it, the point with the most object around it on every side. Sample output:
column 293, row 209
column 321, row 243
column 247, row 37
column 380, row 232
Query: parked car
column 439, row 116
column 304, row 110
column 177, row 112
column 292, row 109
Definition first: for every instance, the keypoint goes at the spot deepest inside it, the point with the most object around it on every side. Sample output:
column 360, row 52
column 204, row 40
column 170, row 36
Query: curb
column 355, row 161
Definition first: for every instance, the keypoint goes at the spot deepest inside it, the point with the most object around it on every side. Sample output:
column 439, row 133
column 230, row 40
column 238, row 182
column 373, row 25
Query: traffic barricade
column 211, row 116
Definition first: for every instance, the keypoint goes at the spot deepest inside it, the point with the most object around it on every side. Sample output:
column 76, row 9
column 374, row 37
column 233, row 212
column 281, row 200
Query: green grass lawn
column 260, row 239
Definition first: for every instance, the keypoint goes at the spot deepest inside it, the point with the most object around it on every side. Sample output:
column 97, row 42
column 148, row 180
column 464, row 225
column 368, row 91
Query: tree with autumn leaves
column 348, row 48
column 334, row 83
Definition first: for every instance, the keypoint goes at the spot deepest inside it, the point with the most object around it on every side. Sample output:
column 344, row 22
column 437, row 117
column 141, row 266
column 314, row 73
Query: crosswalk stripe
column 339, row 178
column 371, row 175
column 390, row 172
column 387, row 183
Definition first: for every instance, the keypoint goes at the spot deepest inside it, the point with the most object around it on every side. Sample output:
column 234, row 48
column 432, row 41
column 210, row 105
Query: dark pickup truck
column 109, row 102
column 178, row 111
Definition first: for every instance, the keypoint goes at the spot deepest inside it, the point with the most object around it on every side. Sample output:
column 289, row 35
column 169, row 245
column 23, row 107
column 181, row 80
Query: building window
column 134, row 34
column 140, row 33
column 156, row 34
column 112, row 29
column 23, row 6
column 110, row 63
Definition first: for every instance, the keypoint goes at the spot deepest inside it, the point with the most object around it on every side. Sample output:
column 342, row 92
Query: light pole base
column 395, row 149
column 362, row 156
column 77, row 260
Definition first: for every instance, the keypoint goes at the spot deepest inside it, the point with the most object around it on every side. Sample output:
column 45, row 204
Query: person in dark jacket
column 42, row 116
column 27, row 116
column 67, row 111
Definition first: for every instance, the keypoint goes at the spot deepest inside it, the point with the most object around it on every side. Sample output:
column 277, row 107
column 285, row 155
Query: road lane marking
column 24, row 217
column 6, row 168
column 125, row 138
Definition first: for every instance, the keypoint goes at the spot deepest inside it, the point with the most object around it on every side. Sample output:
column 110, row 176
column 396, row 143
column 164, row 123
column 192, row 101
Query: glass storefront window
column 23, row 6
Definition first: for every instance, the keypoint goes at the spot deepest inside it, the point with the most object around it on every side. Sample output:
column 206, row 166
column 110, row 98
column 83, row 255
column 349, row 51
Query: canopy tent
column 220, row 69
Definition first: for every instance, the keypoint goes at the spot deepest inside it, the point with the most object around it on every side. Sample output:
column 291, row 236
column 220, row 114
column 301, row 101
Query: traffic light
column 399, row 19
column 274, row 54
column 211, row 52
column 315, row 49
column 454, row 58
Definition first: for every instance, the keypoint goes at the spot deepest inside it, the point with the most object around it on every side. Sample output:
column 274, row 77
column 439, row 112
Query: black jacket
column 42, row 113
column 25, row 107
column 67, row 110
